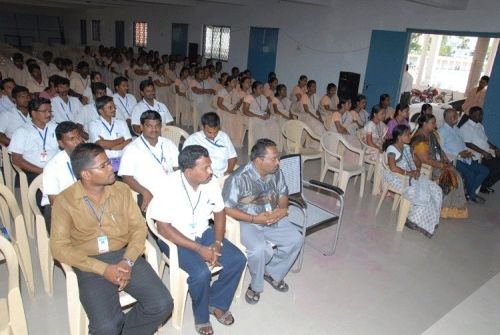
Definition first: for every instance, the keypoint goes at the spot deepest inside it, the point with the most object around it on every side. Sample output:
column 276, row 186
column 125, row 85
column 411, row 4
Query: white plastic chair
column 332, row 144
column 9, row 175
column 174, row 134
column 293, row 130
column 12, row 316
column 374, row 166
column 42, row 237
column 77, row 318
column 23, row 188
column 18, row 236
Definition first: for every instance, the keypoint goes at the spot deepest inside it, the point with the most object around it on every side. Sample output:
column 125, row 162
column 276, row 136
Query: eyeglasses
column 100, row 166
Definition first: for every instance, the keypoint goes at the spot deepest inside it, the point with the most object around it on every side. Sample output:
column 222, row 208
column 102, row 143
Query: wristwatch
column 129, row 262
column 219, row 243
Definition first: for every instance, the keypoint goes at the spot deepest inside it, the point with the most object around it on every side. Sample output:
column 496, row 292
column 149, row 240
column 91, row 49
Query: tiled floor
column 378, row 282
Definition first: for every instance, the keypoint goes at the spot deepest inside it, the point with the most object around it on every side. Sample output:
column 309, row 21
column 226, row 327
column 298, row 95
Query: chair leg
column 377, row 179
column 336, row 176
column 239, row 289
column 342, row 182
column 371, row 170
column 404, row 209
column 323, row 174
column 178, row 289
column 395, row 204
column 382, row 197
column 362, row 186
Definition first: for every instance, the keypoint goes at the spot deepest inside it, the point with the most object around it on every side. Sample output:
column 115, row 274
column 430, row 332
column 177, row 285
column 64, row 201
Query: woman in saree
column 228, row 105
column 375, row 133
column 424, row 195
column 181, row 86
column 400, row 118
column 427, row 150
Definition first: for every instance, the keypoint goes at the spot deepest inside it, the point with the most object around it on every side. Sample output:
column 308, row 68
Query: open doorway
column 444, row 66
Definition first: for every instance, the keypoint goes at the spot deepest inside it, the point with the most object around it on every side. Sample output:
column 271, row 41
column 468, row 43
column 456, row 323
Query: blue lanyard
column 44, row 137
column 64, row 108
column 162, row 159
column 110, row 130
column 214, row 143
column 126, row 101
column 25, row 120
column 71, row 171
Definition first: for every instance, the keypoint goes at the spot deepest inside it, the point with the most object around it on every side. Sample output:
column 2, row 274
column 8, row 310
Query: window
column 96, row 30
column 83, row 32
column 216, row 43
column 140, row 34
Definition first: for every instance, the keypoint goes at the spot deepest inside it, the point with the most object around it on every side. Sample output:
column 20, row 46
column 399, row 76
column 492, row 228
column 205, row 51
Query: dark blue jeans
column 220, row 293
column 473, row 175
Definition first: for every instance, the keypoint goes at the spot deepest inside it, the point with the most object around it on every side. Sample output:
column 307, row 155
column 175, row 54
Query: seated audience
column 182, row 212
column 308, row 106
column 359, row 107
column 80, row 81
column 375, row 133
column 427, row 150
column 182, row 103
column 35, row 82
column 344, row 120
column 17, row 117
column 124, row 101
column 385, row 105
column 425, row 109
column 328, row 104
column 256, row 194
column 6, row 101
column 476, row 139
column 50, row 91
column 404, row 175
column 89, row 112
column 48, row 68
column 299, row 90
column 201, row 92
column 219, row 146
column 95, row 77
column 65, row 107
column 400, row 117
column 17, row 70
column 98, row 229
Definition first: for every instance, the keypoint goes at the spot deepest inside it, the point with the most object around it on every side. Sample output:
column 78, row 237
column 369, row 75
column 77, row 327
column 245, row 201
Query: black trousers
column 101, row 302
column 494, row 166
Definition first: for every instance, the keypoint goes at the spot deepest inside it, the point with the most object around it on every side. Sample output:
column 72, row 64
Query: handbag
column 447, row 180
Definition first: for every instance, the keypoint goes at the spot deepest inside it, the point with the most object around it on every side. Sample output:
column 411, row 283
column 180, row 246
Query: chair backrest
column 291, row 166
column 23, row 187
column 292, row 131
column 175, row 134
column 36, row 184
column 16, row 317
column 173, row 258
column 331, row 144
column 7, row 168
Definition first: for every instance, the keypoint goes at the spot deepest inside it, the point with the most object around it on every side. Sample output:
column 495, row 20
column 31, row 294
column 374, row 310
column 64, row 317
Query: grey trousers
column 101, row 302
column 262, row 258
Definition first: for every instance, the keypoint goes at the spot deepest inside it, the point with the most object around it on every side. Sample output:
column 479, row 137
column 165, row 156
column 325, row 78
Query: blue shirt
column 452, row 142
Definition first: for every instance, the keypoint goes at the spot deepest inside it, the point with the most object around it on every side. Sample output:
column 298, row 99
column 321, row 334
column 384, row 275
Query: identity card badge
column 102, row 244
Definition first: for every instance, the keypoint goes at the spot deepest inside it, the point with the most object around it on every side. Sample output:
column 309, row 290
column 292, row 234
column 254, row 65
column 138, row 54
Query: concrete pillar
column 476, row 67
column 432, row 59
column 491, row 57
column 421, row 61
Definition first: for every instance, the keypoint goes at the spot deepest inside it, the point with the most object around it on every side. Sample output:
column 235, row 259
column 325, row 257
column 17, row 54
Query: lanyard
column 258, row 103
column 25, row 120
column 110, row 130
column 153, row 107
column 187, row 194
column 44, row 137
column 94, row 212
column 162, row 159
column 64, row 108
column 344, row 117
column 126, row 102
column 71, row 171
column 214, row 143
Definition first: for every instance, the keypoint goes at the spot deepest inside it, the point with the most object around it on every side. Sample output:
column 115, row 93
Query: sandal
column 251, row 296
column 204, row 328
column 277, row 285
column 226, row 318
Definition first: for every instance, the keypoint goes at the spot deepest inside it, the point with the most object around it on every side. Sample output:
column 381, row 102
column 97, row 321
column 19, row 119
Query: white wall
column 333, row 31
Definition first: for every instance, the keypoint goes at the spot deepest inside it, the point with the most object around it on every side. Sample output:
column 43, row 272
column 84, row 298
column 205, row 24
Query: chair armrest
column 329, row 187
column 298, row 202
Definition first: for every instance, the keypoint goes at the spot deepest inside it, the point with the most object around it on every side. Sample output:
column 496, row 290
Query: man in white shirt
column 58, row 173
column 35, row 82
column 124, row 101
column 17, row 70
column 89, row 112
column 64, row 107
column 6, row 101
column 95, row 77
column 109, row 132
column 181, row 211
column 34, row 144
column 218, row 144
column 475, row 138
column 406, row 86
column 17, row 117
column 48, row 68
column 149, row 102
column 148, row 159
column 80, row 80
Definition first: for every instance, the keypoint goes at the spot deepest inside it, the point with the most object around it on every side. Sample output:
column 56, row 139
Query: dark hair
column 259, row 148
column 17, row 56
column 19, row 89
column 255, row 84
column 425, row 107
column 375, row 110
column 118, row 80
column 81, row 65
column 53, row 79
column 64, row 128
column 310, row 83
column 229, row 79
column 472, row 110
column 358, row 99
column 279, row 88
column 150, row 115
column 485, row 78
column 400, row 107
column 61, row 81
column 448, row 111
column 93, row 74
column 184, row 69
column 383, row 97
column 5, row 81
column 342, row 101
column 416, row 116
column 97, row 87
column 31, row 67
column 330, row 86
column 83, row 156
column 424, row 118
column 302, row 77
column 101, row 102
column 399, row 130
column 36, row 102
column 146, row 83
column 47, row 53
column 210, row 119
column 189, row 155
column 67, row 61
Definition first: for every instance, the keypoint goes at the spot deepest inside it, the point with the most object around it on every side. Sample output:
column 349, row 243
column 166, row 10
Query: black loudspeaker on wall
column 348, row 85
column 193, row 51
